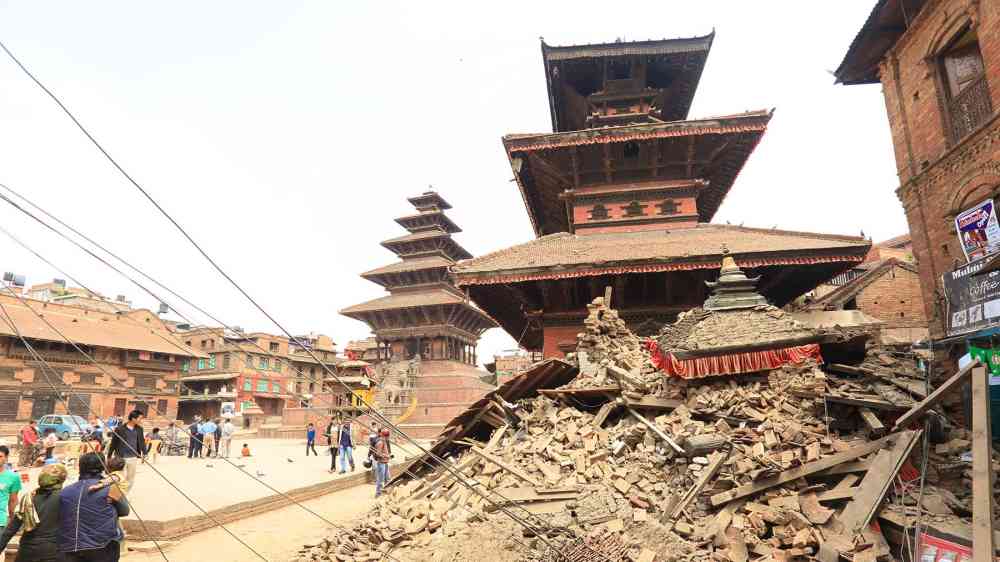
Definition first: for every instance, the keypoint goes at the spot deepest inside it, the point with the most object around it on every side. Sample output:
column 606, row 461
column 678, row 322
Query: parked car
column 65, row 426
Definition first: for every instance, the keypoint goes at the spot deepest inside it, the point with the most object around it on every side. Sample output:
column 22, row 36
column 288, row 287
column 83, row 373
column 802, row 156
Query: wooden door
column 43, row 405
column 120, row 404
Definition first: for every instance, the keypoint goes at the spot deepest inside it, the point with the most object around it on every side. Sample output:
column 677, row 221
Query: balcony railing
column 970, row 109
column 155, row 364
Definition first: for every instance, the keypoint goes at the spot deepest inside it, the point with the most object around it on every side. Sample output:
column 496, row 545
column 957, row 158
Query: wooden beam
column 607, row 162
column 707, row 473
column 920, row 408
column 690, row 156
column 875, row 484
column 875, row 426
column 656, row 430
column 804, row 470
column 574, row 162
column 513, row 470
column 983, row 545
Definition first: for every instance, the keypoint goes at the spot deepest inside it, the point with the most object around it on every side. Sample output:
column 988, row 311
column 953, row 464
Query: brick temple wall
column 895, row 298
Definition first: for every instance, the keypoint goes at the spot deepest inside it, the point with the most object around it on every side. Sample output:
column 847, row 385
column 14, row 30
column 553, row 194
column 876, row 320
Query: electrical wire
column 503, row 499
column 217, row 267
column 323, row 365
column 160, row 414
column 10, row 321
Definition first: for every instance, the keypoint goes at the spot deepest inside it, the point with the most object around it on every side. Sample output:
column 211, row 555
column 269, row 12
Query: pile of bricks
column 734, row 469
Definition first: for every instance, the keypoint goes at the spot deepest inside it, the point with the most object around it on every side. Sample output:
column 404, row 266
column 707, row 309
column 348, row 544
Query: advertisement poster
column 978, row 230
column 973, row 301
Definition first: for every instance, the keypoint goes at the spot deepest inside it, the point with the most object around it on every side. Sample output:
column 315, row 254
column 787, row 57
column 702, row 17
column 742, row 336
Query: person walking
column 194, row 443
column 37, row 516
column 154, row 443
column 218, row 435
column 89, row 529
column 29, row 441
column 128, row 442
column 381, row 458
column 228, row 430
column 373, row 435
column 311, row 439
column 208, row 437
column 331, row 443
column 346, row 444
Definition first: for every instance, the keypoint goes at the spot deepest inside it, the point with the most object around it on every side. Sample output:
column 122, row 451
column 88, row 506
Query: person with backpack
column 381, row 457
column 346, row 444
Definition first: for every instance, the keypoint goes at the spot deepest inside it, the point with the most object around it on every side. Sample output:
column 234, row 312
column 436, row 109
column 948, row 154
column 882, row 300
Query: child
column 50, row 442
column 311, row 439
column 153, row 441
column 246, row 450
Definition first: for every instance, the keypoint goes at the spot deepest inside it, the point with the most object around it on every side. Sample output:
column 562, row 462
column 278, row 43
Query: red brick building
column 620, row 195
column 938, row 62
column 141, row 355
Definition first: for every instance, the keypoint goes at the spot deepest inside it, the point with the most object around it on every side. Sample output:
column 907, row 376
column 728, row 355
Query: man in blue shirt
column 208, row 437
column 346, row 444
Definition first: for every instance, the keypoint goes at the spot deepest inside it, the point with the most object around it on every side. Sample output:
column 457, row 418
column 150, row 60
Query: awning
column 219, row 377
column 273, row 396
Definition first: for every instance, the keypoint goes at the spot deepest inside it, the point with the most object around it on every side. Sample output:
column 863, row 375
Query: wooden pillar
column 983, row 545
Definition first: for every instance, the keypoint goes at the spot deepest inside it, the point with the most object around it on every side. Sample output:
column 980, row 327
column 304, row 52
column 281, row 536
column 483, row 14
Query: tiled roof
column 422, row 235
column 849, row 290
column 895, row 242
column 429, row 262
column 138, row 330
column 571, row 255
column 622, row 48
column 433, row 296
column 886, row 23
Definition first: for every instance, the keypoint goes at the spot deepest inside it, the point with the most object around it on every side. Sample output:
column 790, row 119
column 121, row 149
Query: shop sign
column 973, row 301
column 978, row 230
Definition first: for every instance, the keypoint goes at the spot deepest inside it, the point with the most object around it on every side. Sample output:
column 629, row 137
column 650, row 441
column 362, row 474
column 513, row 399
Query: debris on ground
column 624, row 463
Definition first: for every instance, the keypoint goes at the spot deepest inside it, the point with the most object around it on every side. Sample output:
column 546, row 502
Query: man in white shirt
column 228, row 429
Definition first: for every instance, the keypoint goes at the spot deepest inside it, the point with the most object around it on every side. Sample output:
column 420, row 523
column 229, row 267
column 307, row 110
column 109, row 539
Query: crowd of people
column 78, row 522
column 210, row 438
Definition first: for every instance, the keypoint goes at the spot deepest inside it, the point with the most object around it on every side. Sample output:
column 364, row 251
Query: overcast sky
column 286, row 136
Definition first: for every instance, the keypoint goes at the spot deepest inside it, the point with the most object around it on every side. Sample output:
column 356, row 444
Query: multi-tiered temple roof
column 422, row 302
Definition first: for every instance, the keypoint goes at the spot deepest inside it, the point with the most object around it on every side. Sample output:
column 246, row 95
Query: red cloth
column 732, row 363
column 28, row 435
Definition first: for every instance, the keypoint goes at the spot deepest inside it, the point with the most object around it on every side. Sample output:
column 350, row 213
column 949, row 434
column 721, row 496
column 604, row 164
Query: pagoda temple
column 426, row 330
column 621, row 194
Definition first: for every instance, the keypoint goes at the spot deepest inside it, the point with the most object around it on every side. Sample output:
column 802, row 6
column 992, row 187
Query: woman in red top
column 29, row 440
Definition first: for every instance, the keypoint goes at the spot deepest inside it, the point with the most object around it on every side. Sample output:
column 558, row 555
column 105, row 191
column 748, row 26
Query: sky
column 286, row 136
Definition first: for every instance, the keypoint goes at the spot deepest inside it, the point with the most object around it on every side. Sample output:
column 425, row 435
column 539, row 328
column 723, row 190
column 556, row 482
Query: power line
column 323, row 365
column 226, row 276
column 10, row 322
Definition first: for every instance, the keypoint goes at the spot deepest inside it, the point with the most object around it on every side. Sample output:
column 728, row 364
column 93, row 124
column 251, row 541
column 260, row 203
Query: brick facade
column 895, row 298
column 939, row 175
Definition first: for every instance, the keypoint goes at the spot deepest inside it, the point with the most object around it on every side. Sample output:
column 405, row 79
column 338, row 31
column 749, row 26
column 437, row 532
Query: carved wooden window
column 88, row 378
column 145, row 381
column 634, row 209
column 669, row 207
column 599, row 212
column 966, row 92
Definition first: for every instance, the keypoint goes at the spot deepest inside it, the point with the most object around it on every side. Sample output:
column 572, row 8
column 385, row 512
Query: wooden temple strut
column 983, row 545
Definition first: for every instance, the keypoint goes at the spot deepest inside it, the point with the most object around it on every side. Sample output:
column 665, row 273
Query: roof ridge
column 859, row 283
column 796, row 233
column 746, row 114
column 509, row 249
column 710, row 35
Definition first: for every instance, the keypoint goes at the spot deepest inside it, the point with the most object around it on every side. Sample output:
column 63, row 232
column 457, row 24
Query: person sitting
column 246, row 450
column 37, row 516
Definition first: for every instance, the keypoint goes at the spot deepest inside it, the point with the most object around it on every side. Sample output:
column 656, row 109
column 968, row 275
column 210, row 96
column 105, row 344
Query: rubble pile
column 698, row 329
column 733, row 469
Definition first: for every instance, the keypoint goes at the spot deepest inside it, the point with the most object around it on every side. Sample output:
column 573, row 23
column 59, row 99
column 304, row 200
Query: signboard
column 978, row 230
column 973, row 301
column 228, row 409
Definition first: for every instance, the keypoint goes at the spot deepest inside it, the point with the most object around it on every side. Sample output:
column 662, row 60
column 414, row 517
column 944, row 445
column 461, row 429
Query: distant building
column 142, row 357
column 242, row 370
column 512, row 362
column 56, row 291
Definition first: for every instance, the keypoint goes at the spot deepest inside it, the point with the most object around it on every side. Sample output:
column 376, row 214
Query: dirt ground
column 276, row 535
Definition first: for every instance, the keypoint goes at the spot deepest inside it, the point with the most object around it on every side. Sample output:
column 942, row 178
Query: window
column 277, row 366
column 204, row 344
column 247, row 384
column 631, row 149
column 263, row 363
column 145, row 381
column 276, row 388
column 599, row 212
column 963, row 78
column 273, row 347
column 249, row 361
column 201, row 364
column 185, row 365
column 161, row 407
column 668, row 207
column 634, row 209
column 211, row 362
column 262, row 385
column 225, row 361
column 88, row 378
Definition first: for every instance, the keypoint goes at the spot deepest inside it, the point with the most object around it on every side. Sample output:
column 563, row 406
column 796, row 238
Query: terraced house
column 239, row 370
column 135, row 361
